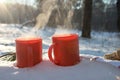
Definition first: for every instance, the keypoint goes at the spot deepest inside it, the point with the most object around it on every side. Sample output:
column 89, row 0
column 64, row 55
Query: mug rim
column 65, row 36
column 23, row 39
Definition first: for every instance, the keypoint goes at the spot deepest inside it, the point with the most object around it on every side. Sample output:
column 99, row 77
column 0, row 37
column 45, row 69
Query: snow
column 100, row 43
column 46, row 70
column 92, row 66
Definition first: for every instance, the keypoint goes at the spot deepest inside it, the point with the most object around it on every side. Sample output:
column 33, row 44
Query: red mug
column 66, row 50
column 28, row 51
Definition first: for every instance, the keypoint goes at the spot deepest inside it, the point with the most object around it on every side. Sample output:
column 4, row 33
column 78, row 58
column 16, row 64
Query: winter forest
column 103, row 15
column 59, row 39
column 97, row 22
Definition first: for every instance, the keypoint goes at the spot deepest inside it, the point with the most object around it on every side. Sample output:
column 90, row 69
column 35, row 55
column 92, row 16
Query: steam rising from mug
column 29, row 35
column 61, row 14
column 62, row 31
column 47, row 7
column 43, row 17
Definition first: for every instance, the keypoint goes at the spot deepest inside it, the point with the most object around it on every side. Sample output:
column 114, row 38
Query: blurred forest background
column 102, row 16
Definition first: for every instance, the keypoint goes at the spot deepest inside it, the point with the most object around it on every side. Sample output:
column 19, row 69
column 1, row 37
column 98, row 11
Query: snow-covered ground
column 85, row 70
column 91, row 67
column 100, row 43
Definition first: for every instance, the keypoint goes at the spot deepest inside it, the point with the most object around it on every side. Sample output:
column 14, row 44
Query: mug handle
column 30, row 57
column 50, row 53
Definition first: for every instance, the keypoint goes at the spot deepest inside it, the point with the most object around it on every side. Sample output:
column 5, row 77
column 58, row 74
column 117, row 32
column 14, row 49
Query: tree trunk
column 87, row 15
column 118, row 11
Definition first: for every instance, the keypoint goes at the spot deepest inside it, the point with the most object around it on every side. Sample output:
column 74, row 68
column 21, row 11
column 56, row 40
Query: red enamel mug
column 65, row 50
column 28, row 52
